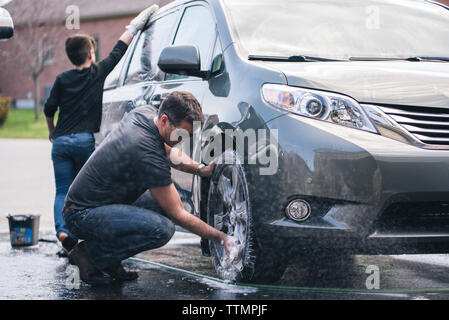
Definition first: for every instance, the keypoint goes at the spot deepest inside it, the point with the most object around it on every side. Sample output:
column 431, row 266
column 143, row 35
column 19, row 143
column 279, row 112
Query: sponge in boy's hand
column 140, row 21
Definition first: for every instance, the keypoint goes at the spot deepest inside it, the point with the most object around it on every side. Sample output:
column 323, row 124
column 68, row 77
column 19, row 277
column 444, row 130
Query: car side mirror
column 6, row 24
column 183, row 60
column 217, row 65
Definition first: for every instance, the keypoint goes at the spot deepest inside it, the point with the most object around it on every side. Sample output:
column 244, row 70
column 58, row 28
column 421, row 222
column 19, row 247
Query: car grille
column 415, row 217
column 427, row 124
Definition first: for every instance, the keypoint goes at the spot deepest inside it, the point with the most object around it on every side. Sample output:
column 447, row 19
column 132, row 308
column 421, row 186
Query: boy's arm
column 50, row 108
column 137, row 24
column 126, row 37
column 51, row 127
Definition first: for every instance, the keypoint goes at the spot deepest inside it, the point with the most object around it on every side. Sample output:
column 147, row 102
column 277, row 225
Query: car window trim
column 124, row 74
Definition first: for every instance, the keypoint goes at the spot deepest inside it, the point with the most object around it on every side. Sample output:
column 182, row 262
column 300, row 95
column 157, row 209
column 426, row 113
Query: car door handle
column 156, row 100
column 132, row 104
column 129, row 106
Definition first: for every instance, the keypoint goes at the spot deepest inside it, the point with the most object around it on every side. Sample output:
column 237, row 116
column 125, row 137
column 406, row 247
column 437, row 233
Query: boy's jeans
column 116, row 232
column 69, row 153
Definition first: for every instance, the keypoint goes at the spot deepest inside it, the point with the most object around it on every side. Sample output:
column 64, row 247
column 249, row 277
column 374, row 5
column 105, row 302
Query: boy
column 78, row 94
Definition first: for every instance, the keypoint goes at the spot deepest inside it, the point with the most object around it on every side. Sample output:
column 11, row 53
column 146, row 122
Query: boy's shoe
column 69, row 243
column 88, row 272
column 119, row 273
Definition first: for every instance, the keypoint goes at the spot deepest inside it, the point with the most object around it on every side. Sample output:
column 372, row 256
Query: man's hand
column 140, row 21
column 49, row 137
column 207, row 171
column 227, row 243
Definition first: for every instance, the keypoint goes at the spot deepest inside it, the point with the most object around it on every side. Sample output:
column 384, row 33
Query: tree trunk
column 37, row 98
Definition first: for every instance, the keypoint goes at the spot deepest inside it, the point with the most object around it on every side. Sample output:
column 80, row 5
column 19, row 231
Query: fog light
column 298, row 210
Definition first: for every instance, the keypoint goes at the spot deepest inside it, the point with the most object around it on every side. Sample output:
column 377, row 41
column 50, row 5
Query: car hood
column 387, row 82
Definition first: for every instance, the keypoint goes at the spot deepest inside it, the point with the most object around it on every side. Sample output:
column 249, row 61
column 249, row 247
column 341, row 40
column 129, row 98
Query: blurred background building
column 39, row 39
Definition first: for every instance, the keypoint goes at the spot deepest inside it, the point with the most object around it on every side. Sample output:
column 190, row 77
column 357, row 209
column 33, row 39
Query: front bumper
column 371, row 193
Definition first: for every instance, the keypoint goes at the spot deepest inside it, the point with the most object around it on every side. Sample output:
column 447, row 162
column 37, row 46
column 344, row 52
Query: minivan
column 353, row 99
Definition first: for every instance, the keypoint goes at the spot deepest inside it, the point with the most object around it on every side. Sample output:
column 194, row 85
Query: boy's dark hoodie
column 79, row 95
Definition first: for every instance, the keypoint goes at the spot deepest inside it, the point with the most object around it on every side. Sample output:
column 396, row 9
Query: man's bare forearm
column 168, row 198
column 180, row 161
column 198, row 227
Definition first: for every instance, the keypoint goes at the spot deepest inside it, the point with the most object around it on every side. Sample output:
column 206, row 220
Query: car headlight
column 320, row 105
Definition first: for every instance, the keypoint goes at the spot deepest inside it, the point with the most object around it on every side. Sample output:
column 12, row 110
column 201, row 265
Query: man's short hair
column 181, row 106
column 78, row 47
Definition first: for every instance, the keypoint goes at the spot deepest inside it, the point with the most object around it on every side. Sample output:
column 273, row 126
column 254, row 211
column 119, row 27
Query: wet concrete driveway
column 178, row 271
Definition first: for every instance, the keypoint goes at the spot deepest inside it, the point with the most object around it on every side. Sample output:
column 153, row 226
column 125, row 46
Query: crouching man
column 123, row 200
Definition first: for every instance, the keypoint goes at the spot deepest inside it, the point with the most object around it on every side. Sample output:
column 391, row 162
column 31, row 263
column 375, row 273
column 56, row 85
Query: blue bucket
column 24, row 230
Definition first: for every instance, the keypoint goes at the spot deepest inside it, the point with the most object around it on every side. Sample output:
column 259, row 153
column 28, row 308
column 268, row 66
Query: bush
column 5, row 105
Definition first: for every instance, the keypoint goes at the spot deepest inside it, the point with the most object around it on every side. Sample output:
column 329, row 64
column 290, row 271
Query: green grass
column 21, row 125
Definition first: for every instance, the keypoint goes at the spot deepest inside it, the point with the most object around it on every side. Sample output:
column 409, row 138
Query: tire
column 229, row 210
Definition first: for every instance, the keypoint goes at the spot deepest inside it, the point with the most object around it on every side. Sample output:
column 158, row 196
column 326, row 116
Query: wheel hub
column 232, row 217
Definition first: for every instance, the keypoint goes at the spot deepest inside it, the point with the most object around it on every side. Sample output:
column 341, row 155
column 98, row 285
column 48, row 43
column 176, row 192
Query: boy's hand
column 140, row 21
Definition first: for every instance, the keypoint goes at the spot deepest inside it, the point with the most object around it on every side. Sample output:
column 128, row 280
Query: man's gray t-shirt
column 130, row 160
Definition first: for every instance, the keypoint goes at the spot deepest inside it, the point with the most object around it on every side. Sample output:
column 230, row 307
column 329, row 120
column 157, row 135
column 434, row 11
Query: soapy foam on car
column 235, row 250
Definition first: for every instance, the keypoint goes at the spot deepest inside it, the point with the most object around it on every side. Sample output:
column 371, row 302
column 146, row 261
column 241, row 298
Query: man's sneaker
column 62, row 253
column 119, row 273
column 88, row 272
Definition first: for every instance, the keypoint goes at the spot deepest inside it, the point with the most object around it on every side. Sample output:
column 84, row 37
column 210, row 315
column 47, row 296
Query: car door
column 197, row 27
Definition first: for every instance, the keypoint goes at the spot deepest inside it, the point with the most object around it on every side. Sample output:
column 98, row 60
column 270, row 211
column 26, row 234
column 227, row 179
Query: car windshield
column 340, row 29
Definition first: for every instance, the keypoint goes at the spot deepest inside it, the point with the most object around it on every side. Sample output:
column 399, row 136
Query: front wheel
column 229, row 210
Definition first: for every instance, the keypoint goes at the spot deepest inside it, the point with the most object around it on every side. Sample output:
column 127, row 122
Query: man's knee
column 167, row 232
column 146, row 201
column 158, row 230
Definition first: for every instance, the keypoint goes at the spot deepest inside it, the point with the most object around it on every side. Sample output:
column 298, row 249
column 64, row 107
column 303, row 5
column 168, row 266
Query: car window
column 143, row 66
column 197, row 27
column 112, row 79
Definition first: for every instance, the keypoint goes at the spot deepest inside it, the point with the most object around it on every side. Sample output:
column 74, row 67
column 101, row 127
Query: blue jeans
column 116, row 232
column 69, row 153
